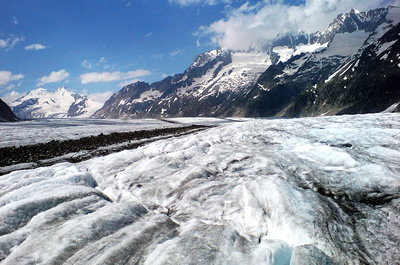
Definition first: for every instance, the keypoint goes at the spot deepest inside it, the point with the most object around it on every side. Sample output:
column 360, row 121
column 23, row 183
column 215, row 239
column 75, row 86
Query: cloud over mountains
column 253, row 24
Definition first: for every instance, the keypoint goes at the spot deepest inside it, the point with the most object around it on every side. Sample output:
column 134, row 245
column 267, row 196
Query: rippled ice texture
column 301, row 191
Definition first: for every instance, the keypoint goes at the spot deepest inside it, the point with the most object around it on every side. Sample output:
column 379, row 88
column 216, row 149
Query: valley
column 277, row 145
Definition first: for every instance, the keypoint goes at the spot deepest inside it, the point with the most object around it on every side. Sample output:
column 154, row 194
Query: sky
column 95, row 47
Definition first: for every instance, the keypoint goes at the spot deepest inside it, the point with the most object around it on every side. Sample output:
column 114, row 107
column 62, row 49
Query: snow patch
column 309, row 48
column 391, row 108
column 148, row 95
column 346, row 67
column 262, row 87
column 345, row 44
column 284, row 52
column 385, row 46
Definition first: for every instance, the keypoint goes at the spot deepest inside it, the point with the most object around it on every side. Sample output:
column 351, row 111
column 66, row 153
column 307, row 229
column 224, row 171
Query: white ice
column 42, row 131
column 254, row 192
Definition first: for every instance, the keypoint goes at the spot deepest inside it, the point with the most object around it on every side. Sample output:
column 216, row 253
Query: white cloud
column 87, row 64
column 197, row 2
column 10, row 87
column 148, row 35
column 3, row 43
column 128, row 4
column 102, row 62
column 13, row 95
column 94, row 77
column 7, row 76
column 35, row 47
column 10, row 42
column 99, row 97
column 15, row 20
column 157, row 55
column 251, row 25
column 175, row 53
column 54, row 77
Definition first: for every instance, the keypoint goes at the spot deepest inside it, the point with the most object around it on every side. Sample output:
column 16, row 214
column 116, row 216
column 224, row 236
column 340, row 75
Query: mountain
column 267, row 82
column 6, row 114
column 62, row 103
column 213, row 79
column 357, row 72
column 365, row 84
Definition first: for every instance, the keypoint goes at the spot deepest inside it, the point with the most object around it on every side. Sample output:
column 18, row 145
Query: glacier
column 322, row 190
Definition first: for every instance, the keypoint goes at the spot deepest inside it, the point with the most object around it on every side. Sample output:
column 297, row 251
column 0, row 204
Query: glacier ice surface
column 298, row 191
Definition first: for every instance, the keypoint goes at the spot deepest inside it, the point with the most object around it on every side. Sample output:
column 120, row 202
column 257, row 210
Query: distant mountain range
column 353, row 66
column 62, row 103
column 350, row 67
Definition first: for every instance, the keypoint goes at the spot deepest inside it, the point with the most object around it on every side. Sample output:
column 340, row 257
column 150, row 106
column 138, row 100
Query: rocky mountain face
column 355, row 73
column 62, row 103
column 365, row 84
column 213, row 80
column 276, row 81
column 354, row 21
column 6, row 114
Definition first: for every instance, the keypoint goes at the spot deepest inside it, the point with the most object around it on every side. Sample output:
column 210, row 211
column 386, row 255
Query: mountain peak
column 40, row 103
column 355, row 11
column 38, row 92
column 62, row 88
column 350, row 22
column 64, row 92
column 40, row 89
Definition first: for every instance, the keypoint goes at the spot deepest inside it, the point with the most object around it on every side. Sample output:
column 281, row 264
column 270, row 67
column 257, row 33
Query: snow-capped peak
column 62, row 89
column 206, row 57
column 40, row 103
column 353, row 21
column 38, row 92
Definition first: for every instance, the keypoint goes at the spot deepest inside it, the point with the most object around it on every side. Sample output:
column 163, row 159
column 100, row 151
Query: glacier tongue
column 321, row 189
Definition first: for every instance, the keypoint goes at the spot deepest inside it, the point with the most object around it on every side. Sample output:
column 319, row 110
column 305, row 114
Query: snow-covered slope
column 301, row 191
column 364, row 83
column 62, row 103
column 213, row 80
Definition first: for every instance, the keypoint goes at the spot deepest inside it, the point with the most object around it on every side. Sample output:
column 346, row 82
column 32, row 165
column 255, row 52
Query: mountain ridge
column 62, row 103
column 255, row 83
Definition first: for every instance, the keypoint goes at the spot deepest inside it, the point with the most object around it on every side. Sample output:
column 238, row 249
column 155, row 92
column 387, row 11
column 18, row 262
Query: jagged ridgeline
column 350, row 67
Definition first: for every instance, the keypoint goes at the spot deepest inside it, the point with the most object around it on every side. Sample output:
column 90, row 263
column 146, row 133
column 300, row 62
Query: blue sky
column 98, row 46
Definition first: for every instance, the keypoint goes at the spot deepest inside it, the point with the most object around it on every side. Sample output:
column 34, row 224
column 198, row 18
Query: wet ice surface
column 302, row 191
